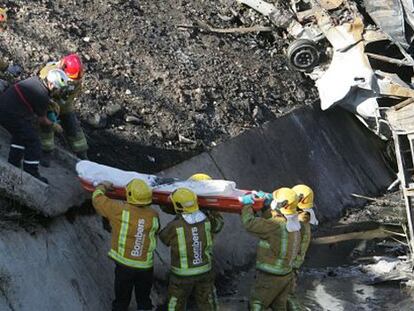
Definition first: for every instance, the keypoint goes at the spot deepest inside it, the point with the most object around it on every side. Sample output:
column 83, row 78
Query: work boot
column 46, row 158
column 33, row 169
column 83, row 155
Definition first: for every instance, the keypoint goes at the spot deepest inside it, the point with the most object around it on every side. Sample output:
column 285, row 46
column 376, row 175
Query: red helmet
column 72, row 65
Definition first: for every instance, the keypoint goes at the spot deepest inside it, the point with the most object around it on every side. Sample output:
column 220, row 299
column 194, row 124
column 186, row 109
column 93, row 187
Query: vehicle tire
column 303, row 54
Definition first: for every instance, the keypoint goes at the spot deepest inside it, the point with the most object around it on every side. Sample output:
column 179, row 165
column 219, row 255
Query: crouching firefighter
column 279, row 244
column 74, row 68
column 190, row 237
column 21, row 105
column 135, row 226
column 307, row 218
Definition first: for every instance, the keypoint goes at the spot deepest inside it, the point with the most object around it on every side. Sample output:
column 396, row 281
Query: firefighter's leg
column 263, row 292
column 74, row 134
column 284, row 288
column 293, row 301
column 124, row 284
column 47, row 138
column 143, row 284
column 205, row 293
column 179, row 289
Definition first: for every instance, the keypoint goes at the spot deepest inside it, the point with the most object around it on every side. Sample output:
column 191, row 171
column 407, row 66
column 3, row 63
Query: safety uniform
column 134, row 239
column 70, row 123
column 305, row 232
column 20, row 105
column 276, row 253
column 191, row 244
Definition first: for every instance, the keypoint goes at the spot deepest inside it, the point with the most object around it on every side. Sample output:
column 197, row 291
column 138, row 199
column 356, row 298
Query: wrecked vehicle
column 358, row 54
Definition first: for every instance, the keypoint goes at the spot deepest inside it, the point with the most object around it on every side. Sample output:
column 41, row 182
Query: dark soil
column 182, row 91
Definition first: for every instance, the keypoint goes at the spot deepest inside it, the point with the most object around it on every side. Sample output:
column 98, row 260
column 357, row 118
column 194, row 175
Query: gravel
column 161, row 91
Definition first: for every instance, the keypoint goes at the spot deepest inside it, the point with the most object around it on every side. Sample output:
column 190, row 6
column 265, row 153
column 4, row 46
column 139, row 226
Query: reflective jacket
column 305, row 233
column 134, row 230
column 65, row 101
column 191, row 244
column 277, row 247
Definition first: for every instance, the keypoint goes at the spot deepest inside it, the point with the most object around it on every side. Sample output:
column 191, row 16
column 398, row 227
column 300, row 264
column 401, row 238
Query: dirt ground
column 153, row 93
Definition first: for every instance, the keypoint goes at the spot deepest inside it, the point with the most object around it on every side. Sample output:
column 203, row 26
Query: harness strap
column 24, row 100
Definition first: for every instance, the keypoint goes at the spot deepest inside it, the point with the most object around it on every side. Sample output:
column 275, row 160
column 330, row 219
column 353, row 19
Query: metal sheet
column 388, row 15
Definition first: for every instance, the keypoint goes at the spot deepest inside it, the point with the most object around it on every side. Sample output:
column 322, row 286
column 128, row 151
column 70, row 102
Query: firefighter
column 135, row 226
column 63, row 109
column 190, row 237
column 20, row 104
column 306, row 217
column 278, row 247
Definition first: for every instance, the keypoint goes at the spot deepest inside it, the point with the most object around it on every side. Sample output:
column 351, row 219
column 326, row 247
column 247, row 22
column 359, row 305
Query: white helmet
column 57, row 78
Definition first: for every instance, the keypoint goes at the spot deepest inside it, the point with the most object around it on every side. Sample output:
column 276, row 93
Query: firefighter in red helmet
column 61, row 111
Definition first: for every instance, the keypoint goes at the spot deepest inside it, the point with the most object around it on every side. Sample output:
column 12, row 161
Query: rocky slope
column 152, row 88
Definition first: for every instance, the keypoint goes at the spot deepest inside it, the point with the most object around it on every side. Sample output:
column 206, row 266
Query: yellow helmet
column 305, row 195
column 184, row 201
column 138, row 192
column 287, row 199
column 199, row 177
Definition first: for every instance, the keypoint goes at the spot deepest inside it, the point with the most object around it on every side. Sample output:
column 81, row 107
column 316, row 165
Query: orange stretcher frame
column 219, row 203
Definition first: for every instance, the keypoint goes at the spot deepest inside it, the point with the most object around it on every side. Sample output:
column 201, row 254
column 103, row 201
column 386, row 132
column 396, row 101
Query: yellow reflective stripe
column 182, row 248
column 97, row 192
column 172, row 303
column 209, row 248
column 191, row 271
column 278, row 270
column 123, row 233
column 129, row 262
column 264, row 244
column 153, row 240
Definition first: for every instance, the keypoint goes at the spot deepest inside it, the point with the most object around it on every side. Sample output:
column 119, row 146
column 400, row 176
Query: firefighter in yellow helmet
column 190, row 237
column 306, row 217
column 211, row 214
column 278, row 247
column 135, row 226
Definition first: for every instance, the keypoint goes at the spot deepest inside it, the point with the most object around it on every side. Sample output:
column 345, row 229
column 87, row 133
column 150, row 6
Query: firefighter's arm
column 103, row 205
column 255, row 225
column 216, row 220
column 167, row 234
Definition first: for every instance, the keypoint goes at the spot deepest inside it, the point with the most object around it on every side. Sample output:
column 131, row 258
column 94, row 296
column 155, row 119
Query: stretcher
column 219, row 195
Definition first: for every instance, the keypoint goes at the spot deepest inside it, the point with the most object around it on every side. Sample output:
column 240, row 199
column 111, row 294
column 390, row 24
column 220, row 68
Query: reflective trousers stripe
column 18, row 146
column 172, row 303
column 31, row 162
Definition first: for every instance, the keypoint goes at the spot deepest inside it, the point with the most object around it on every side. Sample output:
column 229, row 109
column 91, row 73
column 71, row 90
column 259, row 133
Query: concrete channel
column 63, row 266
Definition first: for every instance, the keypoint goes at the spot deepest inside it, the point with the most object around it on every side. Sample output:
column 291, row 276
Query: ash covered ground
column 155, row 94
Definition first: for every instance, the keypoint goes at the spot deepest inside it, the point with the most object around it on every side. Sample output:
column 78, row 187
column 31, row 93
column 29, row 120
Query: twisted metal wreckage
column 360, row 61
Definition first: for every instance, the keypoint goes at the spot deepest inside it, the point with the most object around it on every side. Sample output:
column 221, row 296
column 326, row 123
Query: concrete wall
column 329, row 151
column 64, row 267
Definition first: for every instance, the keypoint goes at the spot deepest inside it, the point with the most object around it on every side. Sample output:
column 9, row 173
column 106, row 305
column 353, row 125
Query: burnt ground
column 154, row 94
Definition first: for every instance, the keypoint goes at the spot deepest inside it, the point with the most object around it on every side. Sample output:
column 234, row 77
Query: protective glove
column 57, row 128
column 15, row 70
column 268, row 198
column 106, row 184
column 247, row 199
column 52, row 116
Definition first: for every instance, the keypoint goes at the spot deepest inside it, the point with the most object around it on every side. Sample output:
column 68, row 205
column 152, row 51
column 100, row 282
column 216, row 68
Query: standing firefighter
column 278, row 247
column 306, row 217
column 134, row 239
column 190, row 237
column 62, row 108
column 20, row 105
